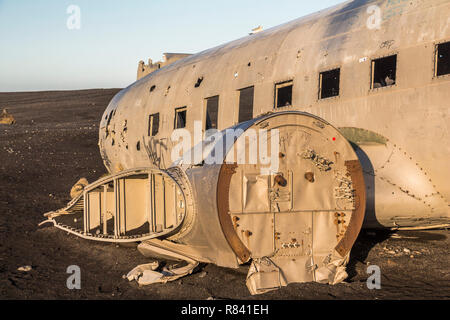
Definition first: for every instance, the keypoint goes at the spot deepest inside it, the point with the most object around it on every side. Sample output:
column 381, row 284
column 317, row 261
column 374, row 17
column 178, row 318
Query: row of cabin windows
column 181, row 115
column 384, row 74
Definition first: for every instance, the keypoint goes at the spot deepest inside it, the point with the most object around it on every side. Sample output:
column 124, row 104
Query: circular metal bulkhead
column 307, row 202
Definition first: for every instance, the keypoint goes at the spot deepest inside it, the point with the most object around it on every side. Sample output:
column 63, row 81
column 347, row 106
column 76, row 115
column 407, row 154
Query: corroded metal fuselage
column 349, row 105
column 400, row 132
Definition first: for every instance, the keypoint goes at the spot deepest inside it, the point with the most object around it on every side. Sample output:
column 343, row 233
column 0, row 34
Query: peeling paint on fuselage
column 362, row 136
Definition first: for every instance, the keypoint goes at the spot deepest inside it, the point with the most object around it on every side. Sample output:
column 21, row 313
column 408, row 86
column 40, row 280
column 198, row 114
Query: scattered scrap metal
column 6, row 118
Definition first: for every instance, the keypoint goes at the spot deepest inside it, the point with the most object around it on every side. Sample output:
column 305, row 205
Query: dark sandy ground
column 54, row 143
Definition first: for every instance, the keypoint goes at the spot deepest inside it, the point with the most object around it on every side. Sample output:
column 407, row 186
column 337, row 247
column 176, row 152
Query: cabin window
column 329, row 82
column 153, row 125
column 212, row 113
column 384, row 72
column 246, row 104
column 283, row 94
column 180, row 118
column 443, row 59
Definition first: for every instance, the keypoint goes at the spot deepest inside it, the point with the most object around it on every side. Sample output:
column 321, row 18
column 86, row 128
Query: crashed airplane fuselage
column 278, row 147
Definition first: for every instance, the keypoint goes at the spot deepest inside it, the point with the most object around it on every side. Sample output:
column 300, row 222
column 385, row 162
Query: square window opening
column 153, row 125
column 212, row 113
column 384, row 72
column 246, row 97
column 329, row 84
column 283, row 94
column 443, row 59
column 180, row 118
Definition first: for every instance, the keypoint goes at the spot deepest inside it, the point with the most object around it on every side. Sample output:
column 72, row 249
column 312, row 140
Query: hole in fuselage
column 199, row 82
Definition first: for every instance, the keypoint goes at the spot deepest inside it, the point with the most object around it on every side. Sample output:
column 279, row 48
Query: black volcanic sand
column 54, row 143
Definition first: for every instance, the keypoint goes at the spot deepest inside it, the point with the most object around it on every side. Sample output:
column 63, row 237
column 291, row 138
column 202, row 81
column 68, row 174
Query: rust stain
column 310, row 177
column 223, row 206
column 351, row 234
column 281, row 181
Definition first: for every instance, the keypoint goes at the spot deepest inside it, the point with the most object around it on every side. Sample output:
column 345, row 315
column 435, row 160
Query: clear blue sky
column 39, row 52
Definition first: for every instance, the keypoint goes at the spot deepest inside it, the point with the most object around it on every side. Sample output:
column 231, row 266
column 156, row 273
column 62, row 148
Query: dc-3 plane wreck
column 275, row 150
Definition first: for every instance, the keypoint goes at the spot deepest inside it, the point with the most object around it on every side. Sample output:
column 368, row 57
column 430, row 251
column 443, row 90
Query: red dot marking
column 334, row 139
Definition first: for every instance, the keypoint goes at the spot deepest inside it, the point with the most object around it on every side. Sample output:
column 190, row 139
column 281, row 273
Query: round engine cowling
column 300, row 205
